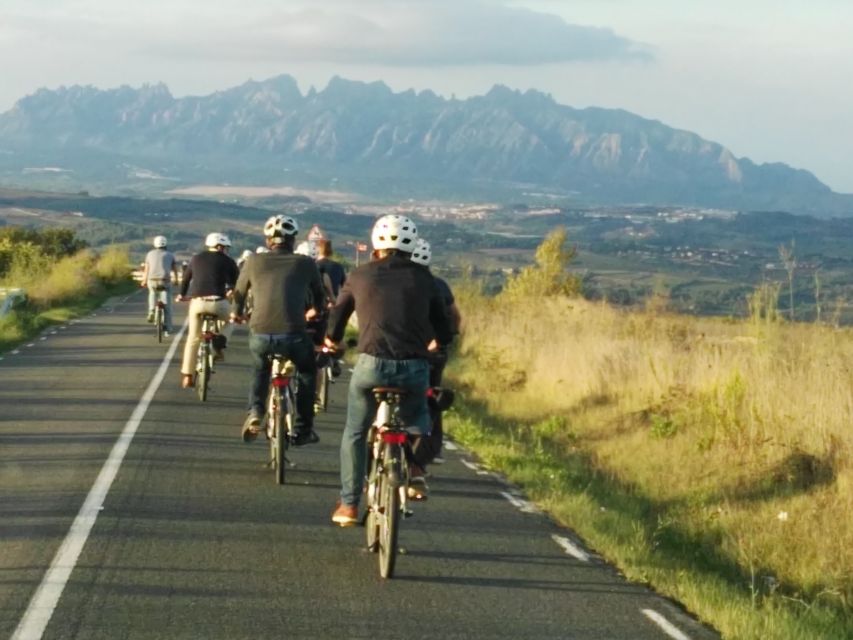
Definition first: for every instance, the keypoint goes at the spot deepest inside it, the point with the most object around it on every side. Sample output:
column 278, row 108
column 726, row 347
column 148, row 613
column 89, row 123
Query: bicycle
column 281, row 413
column 388, row 478
column 160, row 310
column 204, row 359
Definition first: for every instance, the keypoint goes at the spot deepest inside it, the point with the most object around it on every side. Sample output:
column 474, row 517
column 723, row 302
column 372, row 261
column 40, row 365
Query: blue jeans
column 370, row 372
column 155, row 292
column 299, row 348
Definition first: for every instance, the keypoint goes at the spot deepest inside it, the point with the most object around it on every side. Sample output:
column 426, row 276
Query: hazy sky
column 770, row 79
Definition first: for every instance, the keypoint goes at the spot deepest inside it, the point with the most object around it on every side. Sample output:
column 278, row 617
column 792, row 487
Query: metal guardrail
column 9, row 297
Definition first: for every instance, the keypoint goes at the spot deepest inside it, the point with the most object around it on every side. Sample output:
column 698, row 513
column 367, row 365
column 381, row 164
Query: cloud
column 380, row 32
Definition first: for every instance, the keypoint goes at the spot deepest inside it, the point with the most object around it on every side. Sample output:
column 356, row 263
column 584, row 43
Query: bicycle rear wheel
column 323, row 391
column 374, row 489
column 389, row 501
column 281, row 435
column 158, row 322
column 203, row 378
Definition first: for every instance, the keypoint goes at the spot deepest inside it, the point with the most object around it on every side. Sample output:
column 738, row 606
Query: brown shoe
column 345, row 515
column 187, row 381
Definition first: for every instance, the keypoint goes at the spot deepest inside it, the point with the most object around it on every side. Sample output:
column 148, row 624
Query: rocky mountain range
column 365, row 135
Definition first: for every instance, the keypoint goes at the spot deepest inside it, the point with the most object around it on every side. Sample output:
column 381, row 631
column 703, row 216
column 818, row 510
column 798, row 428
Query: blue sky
column 769, row 79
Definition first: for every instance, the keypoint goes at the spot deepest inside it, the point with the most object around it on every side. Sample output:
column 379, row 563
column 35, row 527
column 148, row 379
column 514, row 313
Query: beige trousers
column 199, row 306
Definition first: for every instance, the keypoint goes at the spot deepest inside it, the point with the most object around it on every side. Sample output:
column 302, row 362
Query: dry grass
column 736, row 433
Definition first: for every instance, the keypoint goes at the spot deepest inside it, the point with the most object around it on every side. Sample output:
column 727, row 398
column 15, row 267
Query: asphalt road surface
column 130, row 509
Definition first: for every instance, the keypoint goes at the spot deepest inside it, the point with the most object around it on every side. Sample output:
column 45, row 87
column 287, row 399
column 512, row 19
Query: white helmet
column 422, row 253
column 307, row 249
column 215, row 239
column 394, row 232
column 262, row 250
column 280, row 226
column 160, row 242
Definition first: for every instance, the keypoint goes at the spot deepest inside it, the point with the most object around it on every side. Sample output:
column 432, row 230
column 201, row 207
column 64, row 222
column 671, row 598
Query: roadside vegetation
column 710, row 458
column 61, row 277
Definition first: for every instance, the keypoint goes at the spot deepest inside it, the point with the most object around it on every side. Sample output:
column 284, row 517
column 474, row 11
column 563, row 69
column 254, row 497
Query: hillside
column 374, row 140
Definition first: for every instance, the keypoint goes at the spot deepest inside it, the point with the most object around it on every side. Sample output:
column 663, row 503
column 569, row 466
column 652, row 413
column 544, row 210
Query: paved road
column 192, row 538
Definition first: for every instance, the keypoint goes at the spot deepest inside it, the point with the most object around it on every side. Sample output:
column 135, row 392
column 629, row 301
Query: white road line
column 571, row 548
column 32, row 344
column 522, row 505
column 450, row 446
column 472, row 466
column 43, row 338
column 53, row 333
column 46, row 597
column 668, row 628
column 16, row 352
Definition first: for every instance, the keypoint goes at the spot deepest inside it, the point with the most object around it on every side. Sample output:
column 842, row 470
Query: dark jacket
column 281, row 282
column 209, row 273
column 399, row 309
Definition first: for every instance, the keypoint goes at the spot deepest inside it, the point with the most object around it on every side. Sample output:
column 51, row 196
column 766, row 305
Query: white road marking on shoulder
column 522, row 505
column 473, row 466
column 16, row 352
column 571, row 548
column 450, row 446
column 43, row 338
column 46, row 597
column 668, row 628
column 32, row 344
column 53, row 333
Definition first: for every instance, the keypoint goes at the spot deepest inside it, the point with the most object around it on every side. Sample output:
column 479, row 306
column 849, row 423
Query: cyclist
column 334, row 270
column 428, row 449
column 157, row 271
column 399, row 311
column 281, row 282
column 207, row 279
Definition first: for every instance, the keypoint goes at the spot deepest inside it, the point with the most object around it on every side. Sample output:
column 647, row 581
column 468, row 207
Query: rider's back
column 399, row 309
column 279, row 281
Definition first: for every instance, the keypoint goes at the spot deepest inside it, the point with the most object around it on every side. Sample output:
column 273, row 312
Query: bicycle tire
column 389, row 500
column 158, row 321
column 203, row 381
column 371, row 523
column 280, row 439
column 323, row 391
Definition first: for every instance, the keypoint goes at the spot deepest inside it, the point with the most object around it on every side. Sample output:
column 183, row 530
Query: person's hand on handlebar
column 433, row 346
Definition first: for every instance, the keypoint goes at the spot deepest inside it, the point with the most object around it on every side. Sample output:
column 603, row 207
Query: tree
column 549, row 276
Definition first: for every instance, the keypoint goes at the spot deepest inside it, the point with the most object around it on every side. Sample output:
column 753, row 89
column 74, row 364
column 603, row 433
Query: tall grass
column 719, row 450
column 59, row 288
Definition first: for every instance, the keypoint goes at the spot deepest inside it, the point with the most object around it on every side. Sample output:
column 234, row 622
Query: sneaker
column 251, row 427
column 438, row 460
column 187, row 381
column 345, row 515
column 167, row 334
column 150, row 318
column 418, row 492
column 336, row 368
column 305, row 437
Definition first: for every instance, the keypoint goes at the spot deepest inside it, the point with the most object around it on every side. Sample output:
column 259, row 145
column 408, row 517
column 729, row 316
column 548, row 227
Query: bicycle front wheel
column 158, row 322
column 389, row 506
